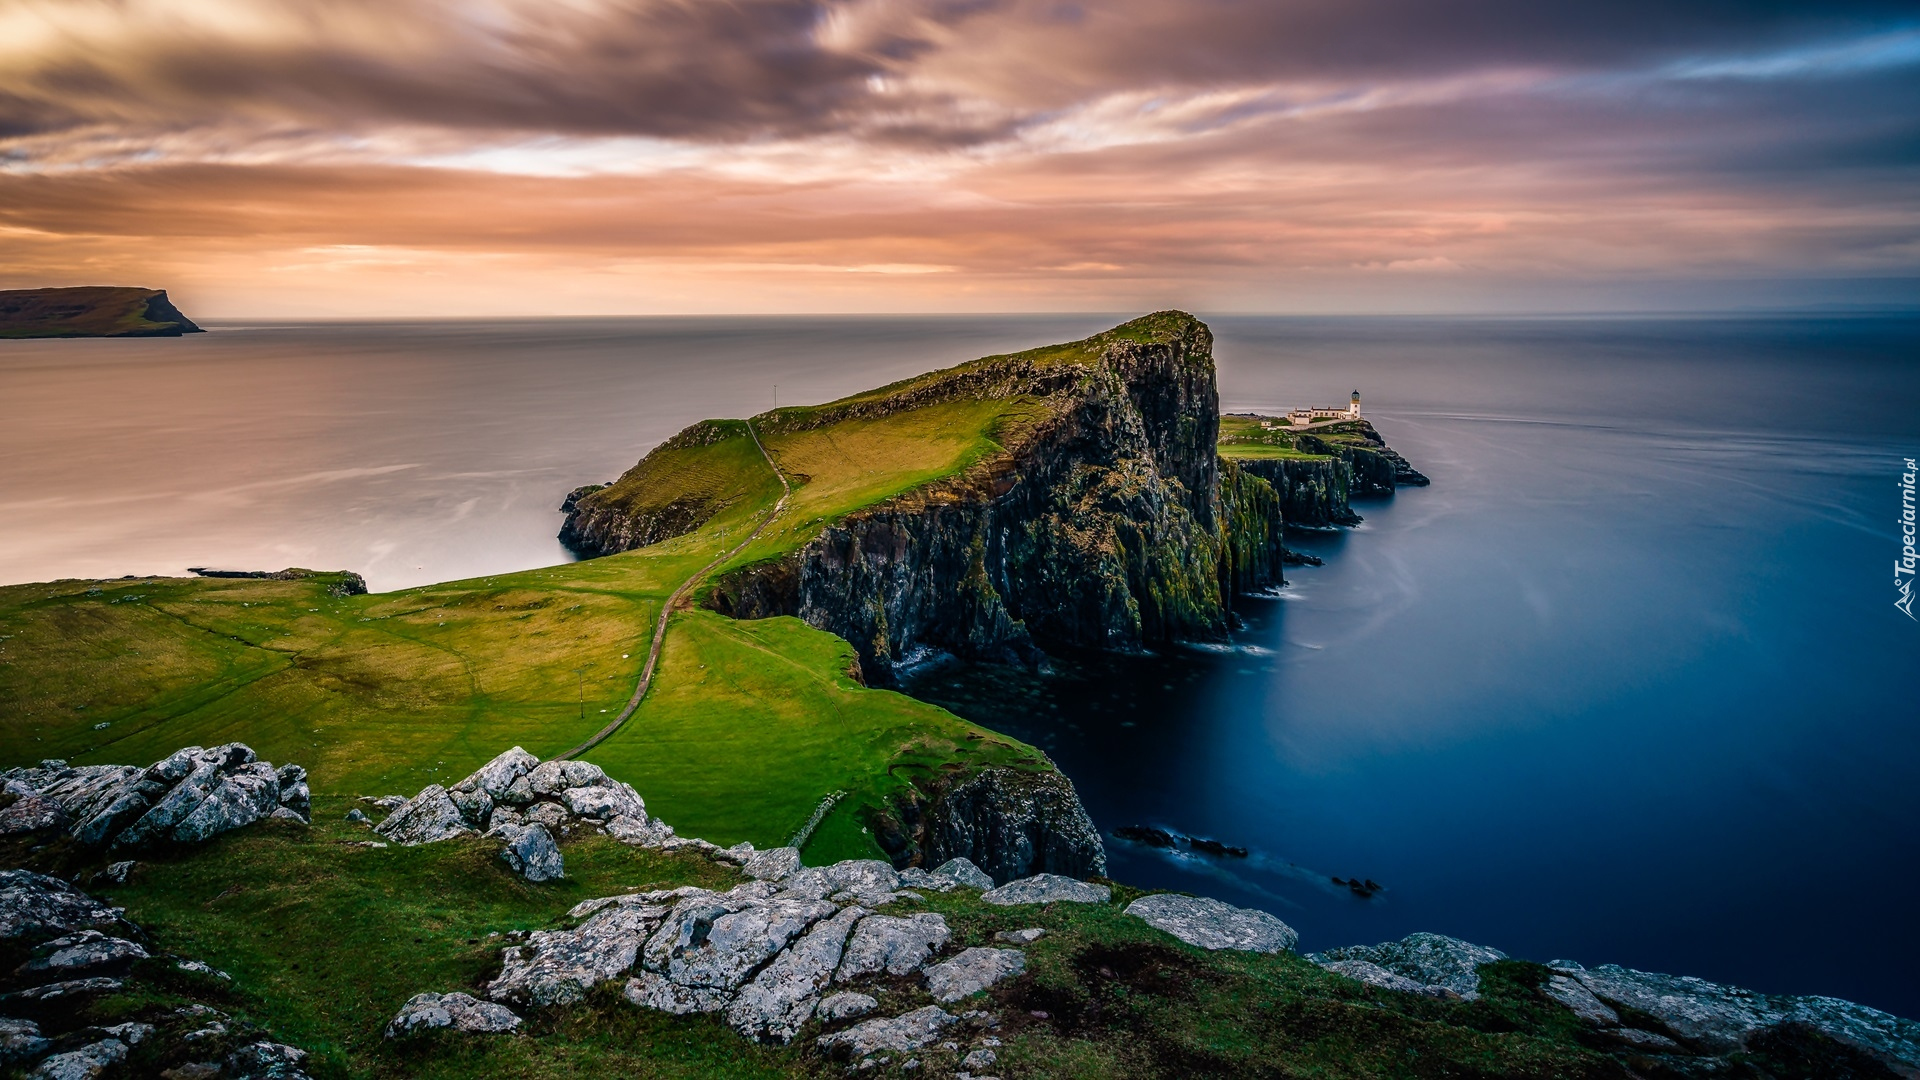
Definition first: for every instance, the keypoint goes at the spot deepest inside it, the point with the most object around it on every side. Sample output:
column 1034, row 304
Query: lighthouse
column 1353, row 406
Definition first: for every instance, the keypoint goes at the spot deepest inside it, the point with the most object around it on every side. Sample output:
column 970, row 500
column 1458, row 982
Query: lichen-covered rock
column 498, row 776
column 772, row 864
column 428, row 817
column 532, row 854
column 186, row 797
column 34, row 907
column 604, row 803
column 962, row 870
column 85, row 953
column 1021, row 937
column 868, row 881
column 779, row 1000
column 1427, row 959
column 267, row 1061
column 652, row 990
column 896, row 946
column 1047, row 889
column 844, row 1005
column 1580, row 1001
column 559, row 966
column 65, row 990
column 717, row 940
column 1373, row 974
column 899, row 1034
column 20, row 1041
column 86, row 1063
column 974, row 970
column 460, row 1012
column 1210, row 924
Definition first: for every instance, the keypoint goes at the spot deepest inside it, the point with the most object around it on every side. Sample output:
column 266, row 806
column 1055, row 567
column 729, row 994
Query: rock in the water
column 962, row 870
column 781, row 998
column 844, row 1005
column 1580, row 1001
column 1427, row 959
column 426, row 818
column 1211, row 924
column 1047, row 889
column 21, row 1041
column 91, row 1060
column 896, row 946
column 532, row 854
column 461, row 1012
column 35, row 906
column 773, row 864
column 84, row 953
column 1373, row 974
column 900, row 1034
column 972, row 971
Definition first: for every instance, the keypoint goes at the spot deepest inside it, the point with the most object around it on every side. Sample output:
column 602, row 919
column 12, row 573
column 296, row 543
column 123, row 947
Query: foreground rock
column 900, row 1034
column 1048, row 889
column 191, row 795
column 459, row 1012
column 530, row 804
column 1211, row 924
column 1428, row 960
column 972, row 971
column 1673, row 1015
column 77, row 949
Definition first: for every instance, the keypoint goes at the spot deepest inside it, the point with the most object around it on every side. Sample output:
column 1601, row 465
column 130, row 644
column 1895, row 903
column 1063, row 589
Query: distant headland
column 91, row 311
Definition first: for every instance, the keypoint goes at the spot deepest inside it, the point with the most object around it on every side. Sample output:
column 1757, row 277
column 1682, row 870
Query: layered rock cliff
column 1104, row 526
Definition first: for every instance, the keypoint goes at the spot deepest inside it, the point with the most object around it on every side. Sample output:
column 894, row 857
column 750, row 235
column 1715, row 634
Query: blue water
column 1626, row 684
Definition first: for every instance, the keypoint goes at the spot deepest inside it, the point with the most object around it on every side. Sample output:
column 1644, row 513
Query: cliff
column 91, row 311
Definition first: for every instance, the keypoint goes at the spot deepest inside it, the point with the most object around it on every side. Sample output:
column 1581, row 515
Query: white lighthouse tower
column 1353, row 407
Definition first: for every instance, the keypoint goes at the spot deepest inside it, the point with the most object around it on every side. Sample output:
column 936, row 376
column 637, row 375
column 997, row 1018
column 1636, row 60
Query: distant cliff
column 91, row 311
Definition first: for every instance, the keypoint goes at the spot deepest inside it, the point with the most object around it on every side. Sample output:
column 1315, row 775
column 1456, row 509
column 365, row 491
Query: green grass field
column 1245, row 437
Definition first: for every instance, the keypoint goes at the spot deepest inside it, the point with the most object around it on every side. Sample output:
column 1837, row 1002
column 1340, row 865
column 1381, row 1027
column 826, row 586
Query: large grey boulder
column 88, row 952
column 557, row 967
column 1432, row 960
column 20, row 1041
column 460, row 1012
column 86, row 1063
column 1211, row 924
column 604, row 803
column 779, row 1000
column 1372, row 974
column 188, row 796
column 1580, row 1001
column 532, row 854
column 497, row 777
column 428, row 817
column 34, row 907
column 716, row 941
column 974, row 970
column 1047, row 889
column 652, row 990
column 899, row 1034
column 772, row 864
column 963, row 871
column 893, row 945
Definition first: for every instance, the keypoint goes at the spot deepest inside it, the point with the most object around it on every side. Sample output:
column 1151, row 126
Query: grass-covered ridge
column 90, row 311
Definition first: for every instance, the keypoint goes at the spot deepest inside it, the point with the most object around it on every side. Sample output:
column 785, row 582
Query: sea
column 1626, row 684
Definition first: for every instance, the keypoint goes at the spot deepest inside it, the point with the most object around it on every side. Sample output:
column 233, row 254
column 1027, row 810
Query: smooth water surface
column 1626, row 684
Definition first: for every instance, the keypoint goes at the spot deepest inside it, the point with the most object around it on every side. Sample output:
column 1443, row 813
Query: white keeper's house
column 1311, row 416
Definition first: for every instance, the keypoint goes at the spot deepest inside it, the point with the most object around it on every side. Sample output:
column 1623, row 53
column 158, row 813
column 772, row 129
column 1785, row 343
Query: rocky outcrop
column 187, row 797
column 457, row 1011
column 1047, row 889
column 78, row 948
column 1695, row 1022
column 1210, row 924
column 1007, row 823
column 973, row 971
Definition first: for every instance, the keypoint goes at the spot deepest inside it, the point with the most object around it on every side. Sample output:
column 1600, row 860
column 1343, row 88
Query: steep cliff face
column 1313, row 492
column 656, row 500
column 1009, row 822
column 1103, row 526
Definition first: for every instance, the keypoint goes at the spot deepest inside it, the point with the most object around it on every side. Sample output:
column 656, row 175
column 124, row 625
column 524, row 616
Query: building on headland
column 1315, row 415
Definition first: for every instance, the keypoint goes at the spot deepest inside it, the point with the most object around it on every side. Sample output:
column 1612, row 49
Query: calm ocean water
column 1626, row 684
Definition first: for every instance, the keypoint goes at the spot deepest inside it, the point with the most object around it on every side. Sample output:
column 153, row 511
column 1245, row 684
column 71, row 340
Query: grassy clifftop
column 91, row 311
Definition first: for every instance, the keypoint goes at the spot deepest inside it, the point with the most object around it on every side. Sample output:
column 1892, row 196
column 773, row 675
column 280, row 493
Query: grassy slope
column 86, row 311
column 1243, row 437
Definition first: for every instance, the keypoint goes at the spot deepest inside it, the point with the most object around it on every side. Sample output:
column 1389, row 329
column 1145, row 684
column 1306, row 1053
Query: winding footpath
column 679, row 594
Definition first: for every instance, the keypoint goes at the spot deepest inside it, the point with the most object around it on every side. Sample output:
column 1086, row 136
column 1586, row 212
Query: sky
column 561, row 157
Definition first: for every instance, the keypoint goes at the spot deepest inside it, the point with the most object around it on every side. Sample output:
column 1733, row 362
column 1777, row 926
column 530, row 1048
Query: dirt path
column 679, row 594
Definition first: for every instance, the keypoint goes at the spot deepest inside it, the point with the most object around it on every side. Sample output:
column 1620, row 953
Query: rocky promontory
column 91, row 311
